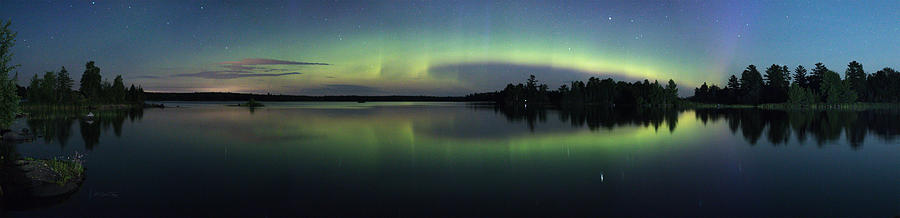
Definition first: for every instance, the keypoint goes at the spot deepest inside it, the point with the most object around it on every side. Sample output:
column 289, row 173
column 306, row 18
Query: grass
column 67, row 170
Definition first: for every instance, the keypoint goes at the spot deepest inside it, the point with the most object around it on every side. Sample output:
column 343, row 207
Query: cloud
column 262, row 61
column 231, row 74
column 249, row 67
column 240, row 67
column 145, row 77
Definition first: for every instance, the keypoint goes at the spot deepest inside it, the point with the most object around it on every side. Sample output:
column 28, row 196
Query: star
column 610, row 18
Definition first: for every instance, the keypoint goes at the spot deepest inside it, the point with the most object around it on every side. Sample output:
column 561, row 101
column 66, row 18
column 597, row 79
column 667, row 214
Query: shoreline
column 28, row 107
column 788, row 106
column 684, row 105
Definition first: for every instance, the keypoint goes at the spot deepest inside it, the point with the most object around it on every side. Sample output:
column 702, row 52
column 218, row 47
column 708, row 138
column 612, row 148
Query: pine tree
column 800, row 77
column 9, row 100
column 733, row 83
column 777, row 83
column 34, row 90
column 671, row 92
column 91, row 82
column 751, row 85
column 64, row 86
column 775, row 77
column 117, row 91
column 48, row 88
column 818, row 74
column 856, row 76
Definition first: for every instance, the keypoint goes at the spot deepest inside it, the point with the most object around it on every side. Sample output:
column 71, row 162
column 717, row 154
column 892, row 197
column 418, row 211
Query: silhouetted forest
column 55, row 88
column 606, row 92
column 821, row 85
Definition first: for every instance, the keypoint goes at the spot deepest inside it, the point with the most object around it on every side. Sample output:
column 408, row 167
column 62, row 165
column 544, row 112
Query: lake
column 461, row 159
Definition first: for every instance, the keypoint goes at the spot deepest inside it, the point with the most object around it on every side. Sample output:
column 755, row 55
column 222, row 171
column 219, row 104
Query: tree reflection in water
column 822, row 126
column 777, row 126
column 593, row 117
column 56, row 126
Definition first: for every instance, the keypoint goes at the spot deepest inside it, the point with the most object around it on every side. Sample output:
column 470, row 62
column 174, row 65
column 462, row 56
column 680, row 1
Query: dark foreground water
column 408, row 159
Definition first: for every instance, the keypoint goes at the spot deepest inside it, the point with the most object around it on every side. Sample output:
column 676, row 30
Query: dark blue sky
column 441, row 47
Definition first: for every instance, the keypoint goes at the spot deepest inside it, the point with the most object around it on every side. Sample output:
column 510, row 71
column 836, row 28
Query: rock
column 42, row 180
column 12, row 136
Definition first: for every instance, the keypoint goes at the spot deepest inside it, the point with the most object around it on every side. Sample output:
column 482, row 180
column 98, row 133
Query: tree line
column 605, row 92
column 821, row 85
column 55, row 88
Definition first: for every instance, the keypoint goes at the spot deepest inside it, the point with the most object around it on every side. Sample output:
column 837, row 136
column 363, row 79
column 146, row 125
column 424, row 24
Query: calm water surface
column 206, row 159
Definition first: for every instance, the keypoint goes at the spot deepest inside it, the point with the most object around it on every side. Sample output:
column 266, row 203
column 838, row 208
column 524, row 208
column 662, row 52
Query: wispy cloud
column 250, row 67
column 145, row 77
column 231, row 74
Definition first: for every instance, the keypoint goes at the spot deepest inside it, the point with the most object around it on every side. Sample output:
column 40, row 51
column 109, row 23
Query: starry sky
column 440, row 47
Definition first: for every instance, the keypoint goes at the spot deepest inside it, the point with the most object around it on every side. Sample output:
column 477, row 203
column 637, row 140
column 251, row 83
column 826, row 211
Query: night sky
column 440, row 47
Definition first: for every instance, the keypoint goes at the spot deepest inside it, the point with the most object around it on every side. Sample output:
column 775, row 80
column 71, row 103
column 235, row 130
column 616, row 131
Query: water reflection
column 821, row 126
column 55, row 127
column 595, row 117
column 52, row 127
column 777, row 126
column 290, row 159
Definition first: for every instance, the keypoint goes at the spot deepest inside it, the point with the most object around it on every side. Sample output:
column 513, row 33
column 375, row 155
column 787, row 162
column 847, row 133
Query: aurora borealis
column 440, row 47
